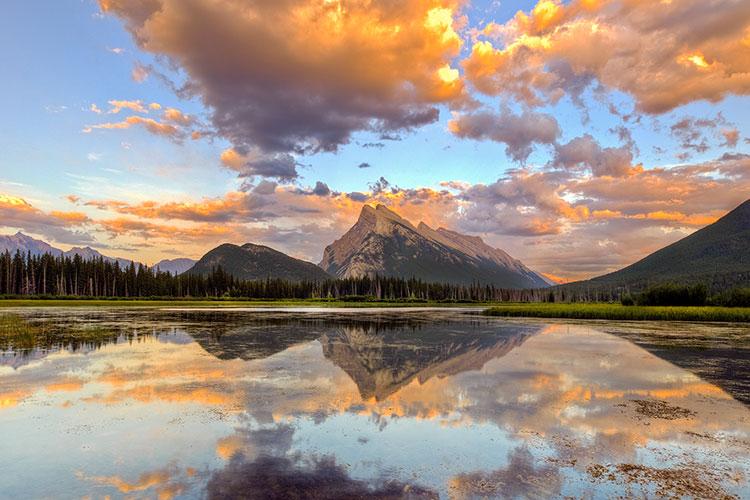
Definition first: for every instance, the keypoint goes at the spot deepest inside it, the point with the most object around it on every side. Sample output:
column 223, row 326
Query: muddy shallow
column 425, row 403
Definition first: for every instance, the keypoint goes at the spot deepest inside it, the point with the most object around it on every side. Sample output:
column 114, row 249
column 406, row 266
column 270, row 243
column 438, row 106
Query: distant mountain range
column 26, row 244
column 717, row 255
column 382, row 242
column 257, row 262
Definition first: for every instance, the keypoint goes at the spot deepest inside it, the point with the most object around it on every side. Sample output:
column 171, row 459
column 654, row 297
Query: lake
column 368, row 404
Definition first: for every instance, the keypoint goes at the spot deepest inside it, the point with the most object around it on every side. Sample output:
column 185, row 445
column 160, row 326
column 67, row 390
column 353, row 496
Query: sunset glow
column 539, row 126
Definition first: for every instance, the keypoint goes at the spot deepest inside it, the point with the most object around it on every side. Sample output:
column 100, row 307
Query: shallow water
column 425, row 403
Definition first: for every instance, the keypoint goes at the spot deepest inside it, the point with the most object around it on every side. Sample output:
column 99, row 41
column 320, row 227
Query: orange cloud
column 532, row 56
column 153, row 126
column 366, row 66
column 119, row 105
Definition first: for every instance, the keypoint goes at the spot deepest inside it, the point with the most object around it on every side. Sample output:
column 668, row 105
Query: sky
column 578, row 136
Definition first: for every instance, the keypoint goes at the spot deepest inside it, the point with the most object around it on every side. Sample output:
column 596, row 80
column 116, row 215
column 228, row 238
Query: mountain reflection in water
column 393, row 404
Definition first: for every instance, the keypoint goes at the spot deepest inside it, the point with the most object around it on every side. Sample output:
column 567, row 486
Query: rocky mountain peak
column 384, row 243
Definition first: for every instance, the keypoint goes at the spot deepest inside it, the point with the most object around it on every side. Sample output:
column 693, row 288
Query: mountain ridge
column 716, row 255
column 256, row 262
column 25, row 244
column 384, row 243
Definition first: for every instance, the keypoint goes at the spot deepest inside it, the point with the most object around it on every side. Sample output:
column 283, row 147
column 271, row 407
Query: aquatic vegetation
column 622, row 312
column 20, row 334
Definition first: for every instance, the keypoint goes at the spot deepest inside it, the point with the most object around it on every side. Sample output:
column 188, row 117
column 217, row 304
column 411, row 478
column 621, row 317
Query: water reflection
column 331, row 405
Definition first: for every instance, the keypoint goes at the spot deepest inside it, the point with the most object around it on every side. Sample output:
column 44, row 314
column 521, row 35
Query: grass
column 18, row 333
column 620, row 312
column 529, row 310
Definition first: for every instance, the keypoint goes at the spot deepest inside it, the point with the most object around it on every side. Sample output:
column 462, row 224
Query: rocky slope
column 383, row 243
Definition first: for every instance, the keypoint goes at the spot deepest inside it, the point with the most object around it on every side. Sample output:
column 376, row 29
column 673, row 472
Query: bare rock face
column 385, row 244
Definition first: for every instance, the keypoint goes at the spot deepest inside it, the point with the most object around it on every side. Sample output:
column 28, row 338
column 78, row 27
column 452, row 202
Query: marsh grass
column 19, row 334
column 621, row 312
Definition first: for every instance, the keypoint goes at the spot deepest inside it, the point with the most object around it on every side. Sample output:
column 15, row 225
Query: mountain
column 382, row 242
column 718, row 255
column 256, row 262
column 24, row 244
column 174, row 266
column 88, row 253
column 381, row 361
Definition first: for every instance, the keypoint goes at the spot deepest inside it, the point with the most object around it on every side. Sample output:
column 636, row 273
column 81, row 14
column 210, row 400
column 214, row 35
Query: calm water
column 416, row 404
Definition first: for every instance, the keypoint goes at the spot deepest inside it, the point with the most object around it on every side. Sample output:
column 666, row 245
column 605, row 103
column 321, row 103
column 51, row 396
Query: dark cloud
column 357, row 196
column 296, row 84
column 320, row 189
column 585, row 152
column 281, row 166
column 518, row 132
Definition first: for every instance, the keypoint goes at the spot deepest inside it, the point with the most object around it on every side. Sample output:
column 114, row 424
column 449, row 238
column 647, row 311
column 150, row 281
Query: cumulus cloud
column 585, row 152
column 275, row 84
column 663, row 54
column 518, row 132
column 176, row 116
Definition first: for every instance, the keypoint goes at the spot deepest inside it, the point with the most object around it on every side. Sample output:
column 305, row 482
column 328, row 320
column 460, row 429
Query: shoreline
column 580, row 311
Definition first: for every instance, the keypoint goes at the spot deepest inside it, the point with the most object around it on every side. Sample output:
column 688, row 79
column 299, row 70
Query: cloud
column 585, row 152
column 731, row 137
column 148, row 230
column 663, row 54
column 281, row 166
column 518, row 132
column 56, row 225
column 154, row 126
column 694, row 133
column 176, row 116
column 119, row 105
column 275, row 84
column 139, row 72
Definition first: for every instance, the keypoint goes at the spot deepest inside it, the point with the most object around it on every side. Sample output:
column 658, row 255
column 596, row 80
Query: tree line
column 64, row 276
column 27, row 275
